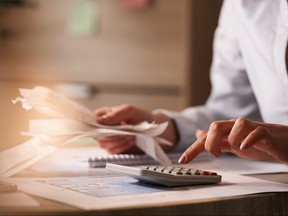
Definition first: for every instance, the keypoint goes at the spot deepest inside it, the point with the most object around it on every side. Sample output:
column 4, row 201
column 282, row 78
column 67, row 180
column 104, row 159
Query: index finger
column 195, row 149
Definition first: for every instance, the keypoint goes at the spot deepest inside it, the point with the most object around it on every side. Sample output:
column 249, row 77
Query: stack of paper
column 70, row 121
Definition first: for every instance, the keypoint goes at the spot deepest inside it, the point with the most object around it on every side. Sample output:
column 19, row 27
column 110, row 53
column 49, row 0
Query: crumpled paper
column 70, row 121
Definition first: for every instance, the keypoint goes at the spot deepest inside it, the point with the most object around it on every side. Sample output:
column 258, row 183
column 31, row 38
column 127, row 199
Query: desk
column 257, row 204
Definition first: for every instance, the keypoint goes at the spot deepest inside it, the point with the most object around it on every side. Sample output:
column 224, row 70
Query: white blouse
column 248, row 72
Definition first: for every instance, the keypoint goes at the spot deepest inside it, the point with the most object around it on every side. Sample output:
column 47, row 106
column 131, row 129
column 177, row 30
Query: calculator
column 170, row 176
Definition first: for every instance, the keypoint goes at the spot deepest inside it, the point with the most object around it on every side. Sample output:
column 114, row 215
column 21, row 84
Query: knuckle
column 127, row 110
column 261, row 129
column 190, row 149
column 202, row 137
column 264, row 133
column 126, row 107
column 242, row 122
column 215, row 126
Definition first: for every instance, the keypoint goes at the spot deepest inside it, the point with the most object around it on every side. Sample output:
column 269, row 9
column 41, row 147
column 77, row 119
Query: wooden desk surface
column 257, row 204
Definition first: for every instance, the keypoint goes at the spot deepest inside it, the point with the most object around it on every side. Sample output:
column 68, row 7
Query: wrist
column 171, row 132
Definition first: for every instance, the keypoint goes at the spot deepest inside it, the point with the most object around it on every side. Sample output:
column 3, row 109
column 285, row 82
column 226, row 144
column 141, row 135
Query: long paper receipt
column 70, row 120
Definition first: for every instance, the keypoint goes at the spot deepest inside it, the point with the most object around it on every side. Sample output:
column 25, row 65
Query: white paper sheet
column 20, row 157
column 115, row 192
column 112, row 192
column 73, row 121
column 234, row 164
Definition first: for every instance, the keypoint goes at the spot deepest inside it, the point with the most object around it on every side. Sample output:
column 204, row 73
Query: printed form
column 69, row 180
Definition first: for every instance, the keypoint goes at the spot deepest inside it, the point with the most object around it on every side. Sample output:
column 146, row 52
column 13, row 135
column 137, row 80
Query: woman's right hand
column 242, row 137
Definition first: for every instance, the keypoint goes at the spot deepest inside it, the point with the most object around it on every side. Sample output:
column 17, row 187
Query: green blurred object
column 85, row 18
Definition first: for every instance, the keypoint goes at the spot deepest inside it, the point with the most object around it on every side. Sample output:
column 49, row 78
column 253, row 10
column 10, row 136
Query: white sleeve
column 232, row 95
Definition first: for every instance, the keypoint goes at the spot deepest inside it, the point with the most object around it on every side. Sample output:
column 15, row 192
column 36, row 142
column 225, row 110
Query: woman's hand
column 247, row 139
column 128, row 114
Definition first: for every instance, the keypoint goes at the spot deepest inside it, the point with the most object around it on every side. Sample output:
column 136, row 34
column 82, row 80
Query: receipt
column 70, row 121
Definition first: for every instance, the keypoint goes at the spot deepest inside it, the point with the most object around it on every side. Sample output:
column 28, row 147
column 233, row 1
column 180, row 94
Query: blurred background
column 150, row 53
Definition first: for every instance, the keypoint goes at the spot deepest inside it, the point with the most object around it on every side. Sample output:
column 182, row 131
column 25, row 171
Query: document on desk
column 118, row 192
column 78, row 185
column 72, row 121
column 234, row 164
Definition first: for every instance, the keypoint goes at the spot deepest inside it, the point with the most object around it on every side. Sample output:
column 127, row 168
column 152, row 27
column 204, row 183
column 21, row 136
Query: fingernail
column 182, row 159
column 243, row 146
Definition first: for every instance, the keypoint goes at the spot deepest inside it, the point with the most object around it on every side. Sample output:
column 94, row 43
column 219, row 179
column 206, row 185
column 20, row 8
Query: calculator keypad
column 175, row 170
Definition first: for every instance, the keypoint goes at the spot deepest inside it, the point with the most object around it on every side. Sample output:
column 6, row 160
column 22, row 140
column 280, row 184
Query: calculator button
column 207, row 173
column 166, row 170
column 195, row 172
column 186, row 171
column 179, row 170
column 168, row 175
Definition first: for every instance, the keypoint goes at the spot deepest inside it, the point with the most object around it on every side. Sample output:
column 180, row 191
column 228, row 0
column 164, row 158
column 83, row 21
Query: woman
column 247, row 111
